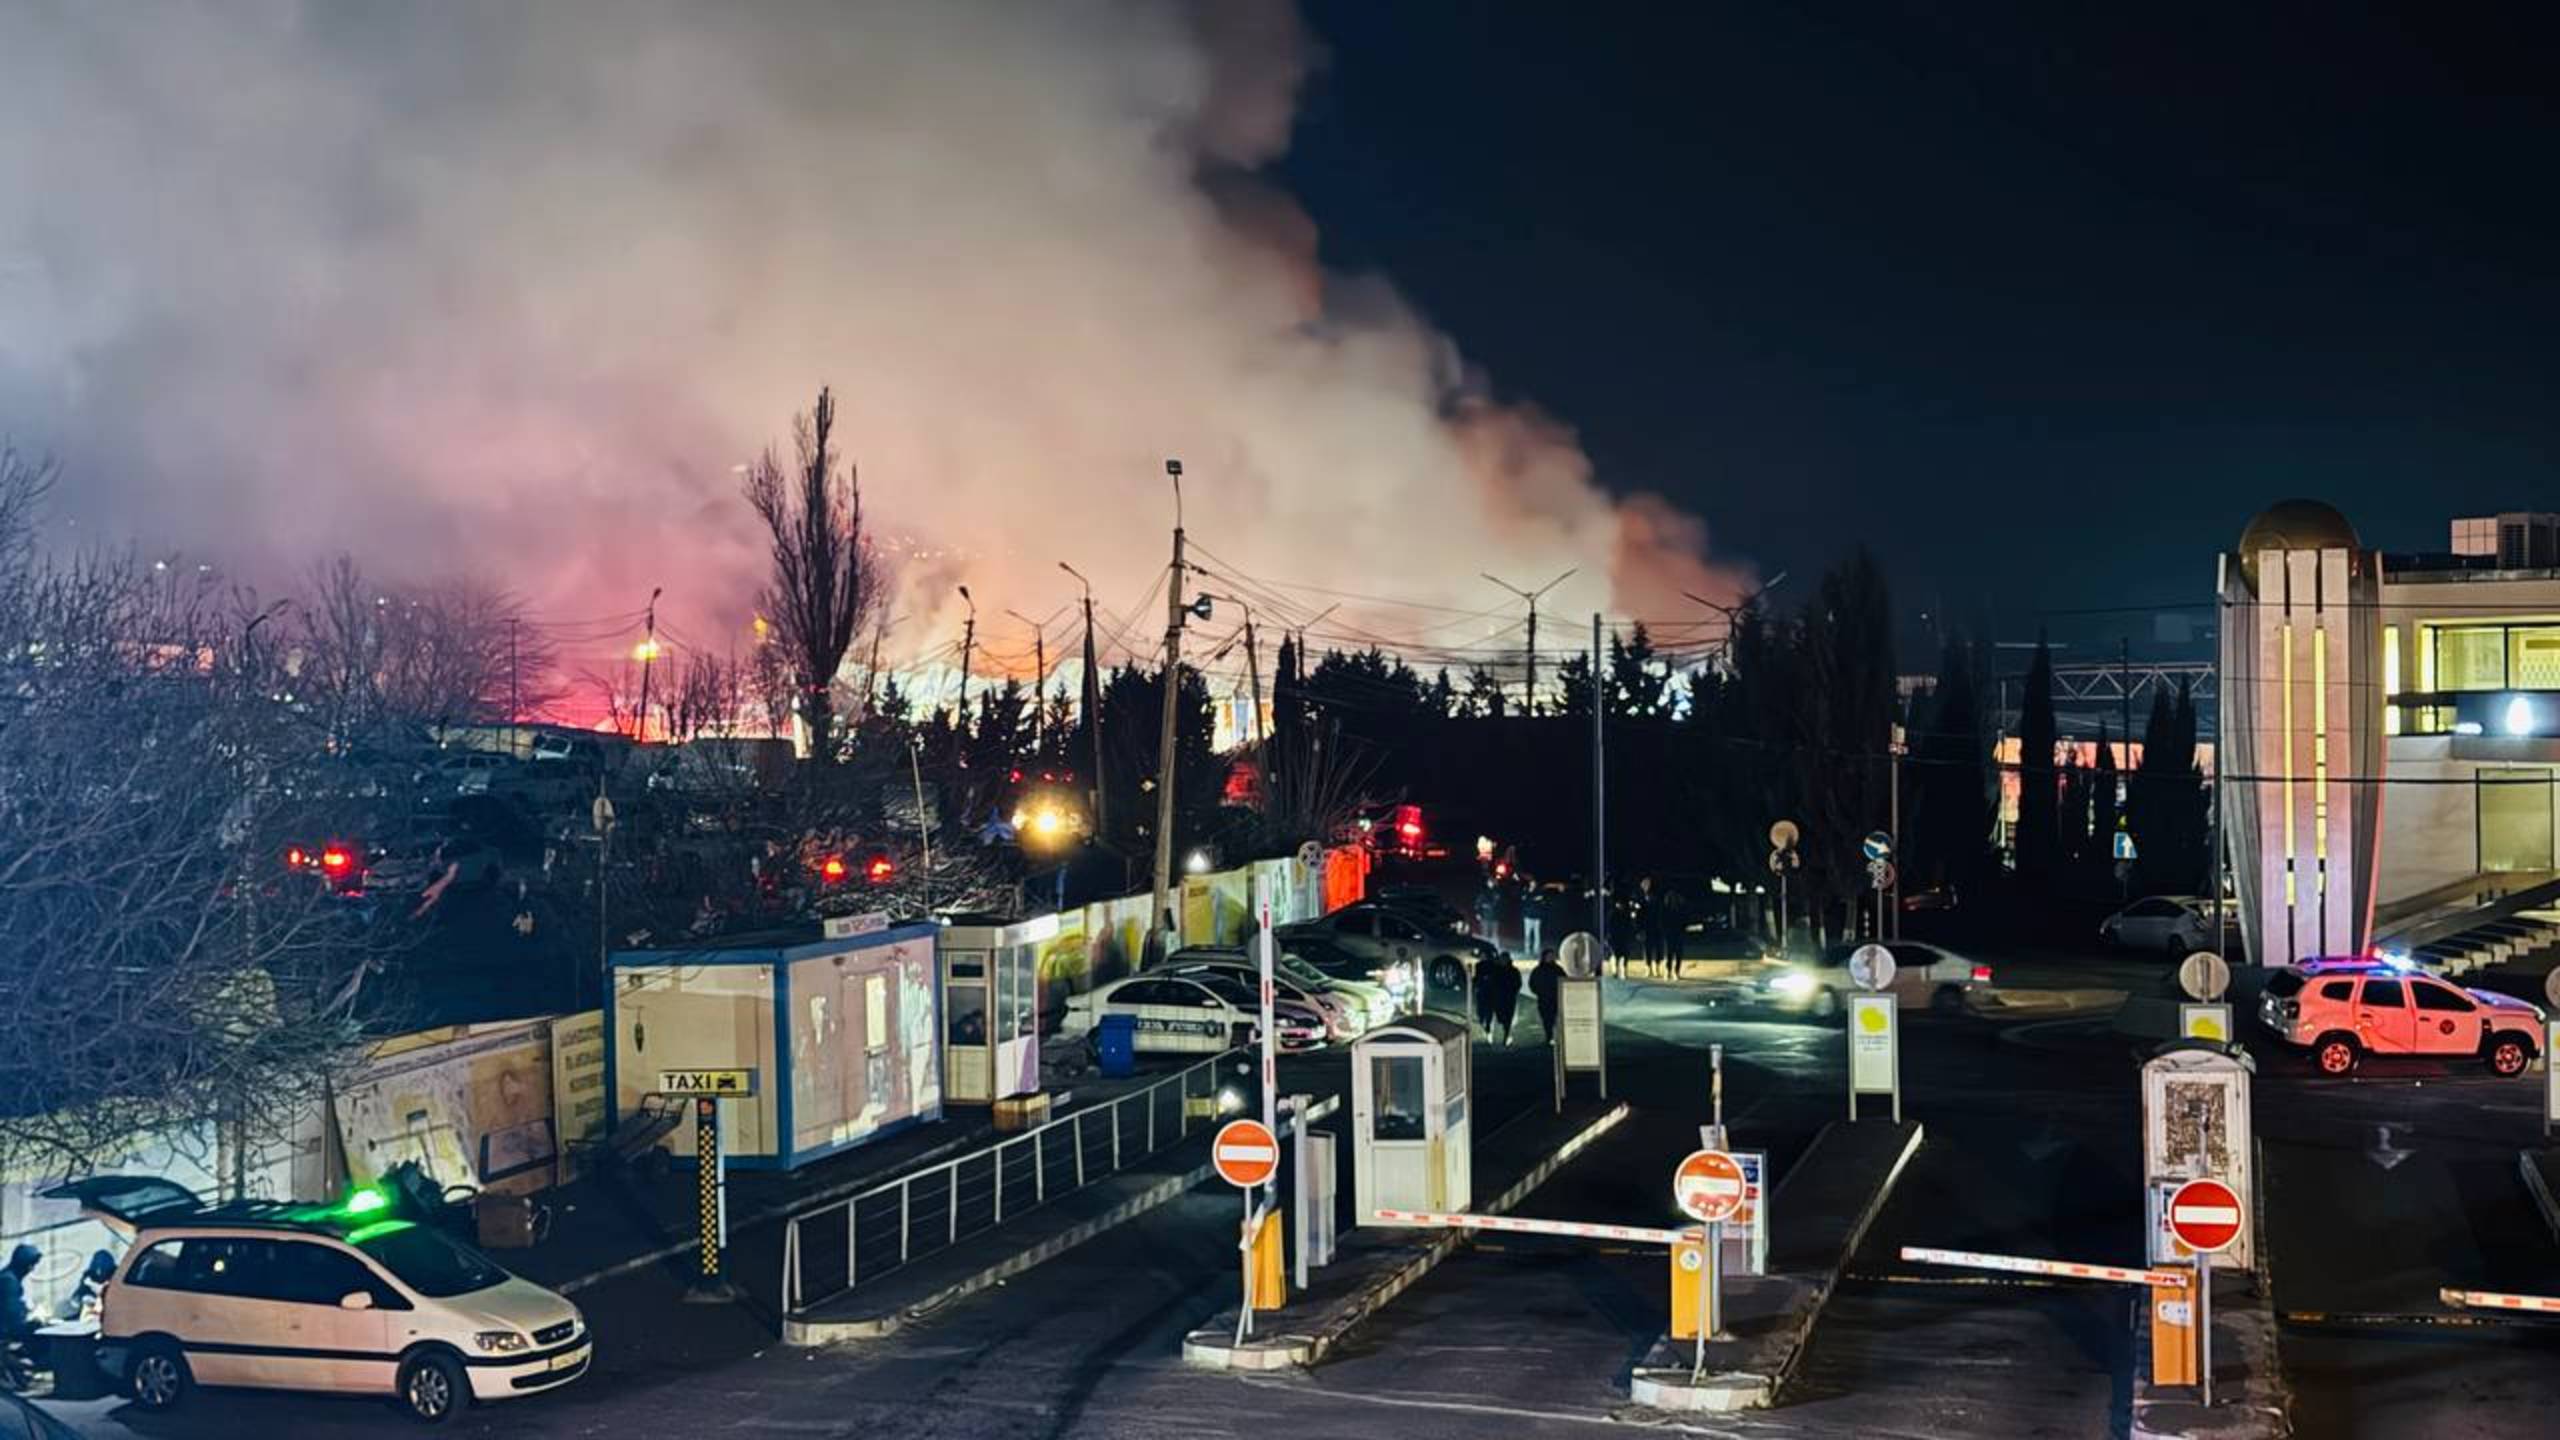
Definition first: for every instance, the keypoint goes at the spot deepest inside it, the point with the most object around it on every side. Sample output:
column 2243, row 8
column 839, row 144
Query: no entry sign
column 1245, row 1153
column 2205, row 1216
column 1709, row 1186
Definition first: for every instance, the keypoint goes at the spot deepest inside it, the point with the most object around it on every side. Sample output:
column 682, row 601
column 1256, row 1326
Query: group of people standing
column 1647, row 925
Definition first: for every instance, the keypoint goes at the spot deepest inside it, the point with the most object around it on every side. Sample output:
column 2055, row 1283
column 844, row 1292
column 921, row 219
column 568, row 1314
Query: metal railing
column 864, row 1236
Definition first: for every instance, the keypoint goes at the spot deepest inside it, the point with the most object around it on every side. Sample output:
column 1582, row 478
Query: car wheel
column 2335, row 1055
column 433, row 1388
column 1448, row 974
column 1826, row 1004
column 2508, row 1056
column 160, row 1376
column 1946, row 1001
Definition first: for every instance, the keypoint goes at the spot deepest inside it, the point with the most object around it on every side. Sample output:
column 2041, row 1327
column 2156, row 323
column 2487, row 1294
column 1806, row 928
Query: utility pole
column 1092, row 702
column 968, row 641
column 1039, row 674
column 2124, row 682
column 1253, row 671
column 1599, row 796
column 1530, row 695
column 1899, row 747
column 871, row 677
column 1172, row 682
column 648, row 658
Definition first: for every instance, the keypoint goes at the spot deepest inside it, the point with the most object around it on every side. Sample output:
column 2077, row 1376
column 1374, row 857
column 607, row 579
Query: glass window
column 965, row 1014
column 2333, row 989
column 159, row 1267
column 2431, row 996
column 307, row 1273
column 2382, row 995
column 426, row 1261
column 2283, row 984
column 2533, row 657
column 1021, row 1005
column 2471, row 658
column 1395, row 1086
column 1396, row 927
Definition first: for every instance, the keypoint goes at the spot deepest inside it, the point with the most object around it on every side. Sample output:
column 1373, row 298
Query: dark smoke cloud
column 513, row 287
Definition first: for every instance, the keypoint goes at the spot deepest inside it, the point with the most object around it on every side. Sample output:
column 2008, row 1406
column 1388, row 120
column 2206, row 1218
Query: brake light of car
column 880, row 870
column 336, row 861
column 832, row 868
column 1981, row 974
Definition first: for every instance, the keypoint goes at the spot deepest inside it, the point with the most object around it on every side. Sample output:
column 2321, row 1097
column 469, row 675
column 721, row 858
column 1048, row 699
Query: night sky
column 2040, row 305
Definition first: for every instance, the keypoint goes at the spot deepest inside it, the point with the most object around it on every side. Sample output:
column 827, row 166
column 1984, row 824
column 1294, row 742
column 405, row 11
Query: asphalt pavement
column 2032, row 1149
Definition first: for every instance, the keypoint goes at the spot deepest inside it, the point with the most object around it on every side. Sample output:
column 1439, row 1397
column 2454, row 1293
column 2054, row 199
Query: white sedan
column 1196, row 1013
column 1924, row 977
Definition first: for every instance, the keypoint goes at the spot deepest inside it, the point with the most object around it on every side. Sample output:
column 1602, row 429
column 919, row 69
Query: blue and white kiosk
column 842, row 1025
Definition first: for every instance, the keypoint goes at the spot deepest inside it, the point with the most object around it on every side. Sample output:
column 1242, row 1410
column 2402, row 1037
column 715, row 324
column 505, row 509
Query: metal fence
column 830, row 1250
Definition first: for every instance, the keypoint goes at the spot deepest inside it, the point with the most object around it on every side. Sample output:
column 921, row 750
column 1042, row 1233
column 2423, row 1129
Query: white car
column 1346, row 1014
column 2174, row 924
column 343, row 1298
column 1197, row 1013
column 1924, row 977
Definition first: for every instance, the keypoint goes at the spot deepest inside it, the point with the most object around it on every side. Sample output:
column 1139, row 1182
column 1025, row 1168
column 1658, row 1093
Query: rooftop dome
column 2295, row 525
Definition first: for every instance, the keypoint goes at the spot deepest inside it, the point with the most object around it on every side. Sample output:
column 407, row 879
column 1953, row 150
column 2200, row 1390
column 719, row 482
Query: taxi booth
column 1410, row 1127
column 991, row 1008
column 841, row 1027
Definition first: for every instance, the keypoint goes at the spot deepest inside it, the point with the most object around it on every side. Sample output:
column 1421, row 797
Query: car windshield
column 2283, row 983
column 426, row 1261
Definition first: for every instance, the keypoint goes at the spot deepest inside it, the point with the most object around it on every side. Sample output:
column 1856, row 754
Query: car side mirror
column 356, row 1300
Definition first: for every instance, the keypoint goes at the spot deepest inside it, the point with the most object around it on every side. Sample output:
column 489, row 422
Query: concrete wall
column 2430, row 832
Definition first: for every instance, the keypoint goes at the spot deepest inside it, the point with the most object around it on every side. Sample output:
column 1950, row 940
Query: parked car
column 2344, row 1010
column 1925, row 977
column 1350, row 1007
column 1394, row 979
column 1191, row 1014
column 344, row 1298
column 1385, row 935
column 2175, row 924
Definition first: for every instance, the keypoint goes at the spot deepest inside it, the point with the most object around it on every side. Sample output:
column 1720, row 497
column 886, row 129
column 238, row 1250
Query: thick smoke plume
column 512, row 288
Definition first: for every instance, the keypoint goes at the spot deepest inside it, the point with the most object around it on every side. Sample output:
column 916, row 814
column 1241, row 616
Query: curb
column 2541, row 1192
column 1213, row 1347
column 831, row 1332
column 1733, row 1390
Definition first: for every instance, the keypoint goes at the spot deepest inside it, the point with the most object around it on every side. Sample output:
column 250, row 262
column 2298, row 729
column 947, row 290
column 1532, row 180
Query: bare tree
column 461, row 653
column 824, row 577
column 166, row 967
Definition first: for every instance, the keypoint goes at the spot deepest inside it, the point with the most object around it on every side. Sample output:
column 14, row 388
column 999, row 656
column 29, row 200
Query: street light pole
column 1039, row 673
column 1172, row 684
column 1529, row 689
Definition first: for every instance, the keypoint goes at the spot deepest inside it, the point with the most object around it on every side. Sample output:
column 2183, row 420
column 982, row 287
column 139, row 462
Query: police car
column 1200, row 1012
column 2342, row 1010
column 1349, row 1006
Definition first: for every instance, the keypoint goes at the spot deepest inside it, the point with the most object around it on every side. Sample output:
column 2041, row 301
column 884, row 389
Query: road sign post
column 1246, row 1154
column 709, row 1087
column 2206, row 1216
column 1709, row 1186
column 1874, row 1021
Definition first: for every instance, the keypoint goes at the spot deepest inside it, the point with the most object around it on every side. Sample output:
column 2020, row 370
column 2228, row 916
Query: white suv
column 2344, row 1010
column 317, row 1297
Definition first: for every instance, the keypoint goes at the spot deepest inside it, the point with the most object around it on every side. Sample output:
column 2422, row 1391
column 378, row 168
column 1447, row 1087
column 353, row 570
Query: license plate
column 563, row 1362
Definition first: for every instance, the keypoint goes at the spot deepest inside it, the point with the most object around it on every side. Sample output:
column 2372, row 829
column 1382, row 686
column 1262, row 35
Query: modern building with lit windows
column 2391, row 722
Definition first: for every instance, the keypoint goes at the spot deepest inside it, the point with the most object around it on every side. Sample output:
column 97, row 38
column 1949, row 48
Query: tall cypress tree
column 1950, row 833
column 2038, row 849
column 2151, row 800
column 2102, row 808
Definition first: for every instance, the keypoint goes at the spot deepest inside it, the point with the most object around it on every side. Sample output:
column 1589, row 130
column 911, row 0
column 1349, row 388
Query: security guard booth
column 1410, row 1127
column 991, row 1008
column 2196, row 1126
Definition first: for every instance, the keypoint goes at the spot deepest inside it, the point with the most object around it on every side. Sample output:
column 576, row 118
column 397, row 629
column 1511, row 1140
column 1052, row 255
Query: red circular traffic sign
column 1708, row 1186
column 2205, row 1216
column 1245, row 1153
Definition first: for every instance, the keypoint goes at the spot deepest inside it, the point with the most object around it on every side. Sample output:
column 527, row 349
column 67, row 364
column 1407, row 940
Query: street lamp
column 1529, row 690
column 968, row 641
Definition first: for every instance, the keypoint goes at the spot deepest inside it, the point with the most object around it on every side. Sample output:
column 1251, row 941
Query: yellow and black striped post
column 710, row 1178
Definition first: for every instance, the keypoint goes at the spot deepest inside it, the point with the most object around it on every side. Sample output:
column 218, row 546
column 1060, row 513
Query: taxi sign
column 1709, row 1186
column 720, row 1084
column 1245, row 1153
column 2205, row 1215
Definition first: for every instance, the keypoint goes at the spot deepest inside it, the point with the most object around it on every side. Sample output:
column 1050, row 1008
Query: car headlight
column 1795, row 984
column 501, row 1342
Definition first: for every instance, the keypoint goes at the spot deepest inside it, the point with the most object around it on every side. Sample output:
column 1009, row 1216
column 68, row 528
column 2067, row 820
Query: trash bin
column 1115, row 1045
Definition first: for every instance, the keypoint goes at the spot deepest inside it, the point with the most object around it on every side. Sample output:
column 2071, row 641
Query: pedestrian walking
column 1506, row 993
column 1622, row 933
column 1489, row 913
column 1546, row 983
column 1656, row 905
column 1533, row 916
column 1487, row 989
